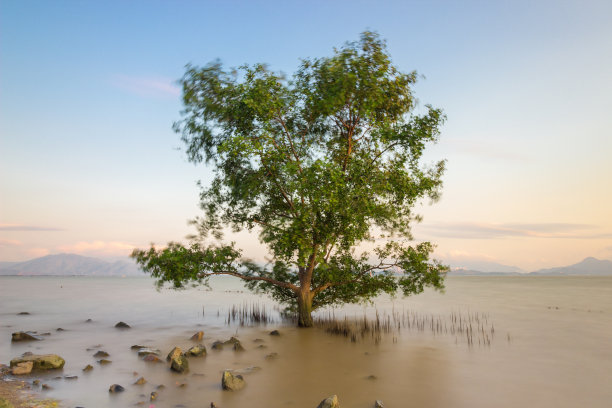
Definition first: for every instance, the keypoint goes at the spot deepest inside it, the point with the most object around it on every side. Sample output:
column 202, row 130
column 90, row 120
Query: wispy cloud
column 9, row 242
column 107, row 248
column 471, row 230
column 485, row 149
column 21, row 227
column 147, row 86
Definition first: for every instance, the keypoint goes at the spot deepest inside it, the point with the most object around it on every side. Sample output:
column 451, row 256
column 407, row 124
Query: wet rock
column 87, row 368
column 378, row 404
column 196, row 351
column 238, row 346
column 274, row 333
column 23, row 368
column 137, row 347
column 25, row 336
column 262, row 346
column 174, row 353
column 46, row 387
column 104, row 362
column 152, row 358
column 160, row 387
column 88, row 321
column 213, row 405
column 217, row 345
column 140, row 381
column 258, row 341
column 23, row 314
column 153, row 396
column 123, row 325
column 232, row 382
column 71, row 377
column 371, row 377
column 179, row 364
column 330, row 402
column 198, row 336
column 41, row 361
column 146, row 351
column 115, row 388
column 59, row 329
column 100, row 354
column 271, row 356
column 36, row 382
column 232, row 340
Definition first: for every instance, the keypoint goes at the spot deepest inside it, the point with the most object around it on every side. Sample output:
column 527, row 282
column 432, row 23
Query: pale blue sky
column 89, row 163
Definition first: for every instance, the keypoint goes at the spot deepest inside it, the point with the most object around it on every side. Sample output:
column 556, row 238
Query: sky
column 89, row 163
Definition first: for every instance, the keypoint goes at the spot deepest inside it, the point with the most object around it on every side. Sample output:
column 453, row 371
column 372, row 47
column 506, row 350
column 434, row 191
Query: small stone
column 232, row 340
column 271, row 356
column 274, row 333
column 116, row 388
column 104, row 361
column 138, row 347
column 217, row 345
column 88, row 321
column 151, row 358
column 160, row 387
column 153, row 396
column 122, row 325
column 46, row 387
column 330, row 402
column 258, row 341
column 213, row 405
column 36, row 382
column 232, row 382
column 238, row 346
column 146, row 351
column 140, row 381
column 198, row 336
column 174, row 353
column 23, row 313
column 262, row 346
column 23, row 368
column 71, row 377
column 101, row 354
column 196, row 351
column 87, row 368
column 59, row 329
column 378, row 404
column 25, row 336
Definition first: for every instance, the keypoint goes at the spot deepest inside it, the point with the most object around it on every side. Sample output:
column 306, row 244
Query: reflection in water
column 558, row 354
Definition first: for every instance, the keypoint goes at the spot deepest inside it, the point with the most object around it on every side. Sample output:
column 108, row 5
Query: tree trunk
column 304, row 301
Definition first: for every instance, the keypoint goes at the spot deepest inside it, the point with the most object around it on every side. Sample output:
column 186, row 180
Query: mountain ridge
column 69, row 265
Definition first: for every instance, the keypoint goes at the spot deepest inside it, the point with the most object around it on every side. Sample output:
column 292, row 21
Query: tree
column 317, row 165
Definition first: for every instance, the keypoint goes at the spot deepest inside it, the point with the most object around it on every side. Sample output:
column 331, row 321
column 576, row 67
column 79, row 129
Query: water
column 551, row 345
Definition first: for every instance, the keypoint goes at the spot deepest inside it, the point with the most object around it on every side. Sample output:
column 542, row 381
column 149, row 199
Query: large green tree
column 317, row 165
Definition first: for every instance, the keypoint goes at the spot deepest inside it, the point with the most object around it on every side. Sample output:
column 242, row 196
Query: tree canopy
column 316, row 165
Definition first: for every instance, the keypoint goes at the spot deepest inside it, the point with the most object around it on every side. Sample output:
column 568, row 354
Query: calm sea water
column 536, row 342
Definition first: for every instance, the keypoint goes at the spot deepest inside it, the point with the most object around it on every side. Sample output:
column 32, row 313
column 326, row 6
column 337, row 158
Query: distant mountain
column 589, row 266
column 69, row 265
column 471, row 272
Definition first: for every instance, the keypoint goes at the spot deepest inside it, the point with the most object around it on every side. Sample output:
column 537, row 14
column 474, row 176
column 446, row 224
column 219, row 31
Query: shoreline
column 18, row 393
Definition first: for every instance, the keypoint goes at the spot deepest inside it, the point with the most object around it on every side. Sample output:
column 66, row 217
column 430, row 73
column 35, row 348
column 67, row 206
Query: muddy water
column 545, row 342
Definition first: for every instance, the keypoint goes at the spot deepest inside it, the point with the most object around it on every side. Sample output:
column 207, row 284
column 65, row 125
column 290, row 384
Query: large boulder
column 174, row 353
column 232, row 382
column 25, row 336
column 180, row 364
column 23, row 368
column 41, row 361
column 329, row 402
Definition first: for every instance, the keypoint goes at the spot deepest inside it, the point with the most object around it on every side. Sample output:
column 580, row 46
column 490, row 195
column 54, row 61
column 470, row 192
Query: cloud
column 471, row 230
column 107, row 248
column 20, row 227
column 147, row 86
column 485, row 149
column 37, row 252
column 9, row 242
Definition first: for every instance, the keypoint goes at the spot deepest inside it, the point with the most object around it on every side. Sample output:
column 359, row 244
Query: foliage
column 316, row 165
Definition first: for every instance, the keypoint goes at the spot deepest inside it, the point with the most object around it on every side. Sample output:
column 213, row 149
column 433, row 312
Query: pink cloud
column 9, row 242
column 108, row 248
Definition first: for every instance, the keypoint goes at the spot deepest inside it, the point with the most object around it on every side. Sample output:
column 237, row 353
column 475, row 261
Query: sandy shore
column 19, row 394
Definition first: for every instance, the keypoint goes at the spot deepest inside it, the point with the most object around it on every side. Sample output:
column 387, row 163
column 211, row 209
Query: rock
column 246, row 370
column 35, row 382
column 196, row 351
column 232, row 340
column 123, row 325
column 179, row 364
column 59, row 329
column 23, row 368
column 46, row 387
column 71, row 377
column 153, row 396
column 238, row 346
column 87, row 368
column 100, row 354
column 217, row 345
column 262, row 346
column 23, row 313
column 146, row 351
column 378, row 404
column 88, row 321
column 330, row 402
column 116, row 388
column 104, row 362
column 198, row 336
column 258, row 341
column 274, row 333
column 25, row 336
column 41, row 361
column 174, row 353
column 232, row 382
column 152, row 358
column 138, row 347
column 140, row 381
column 371, row 377
column 213, row 405
column 160, row 387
